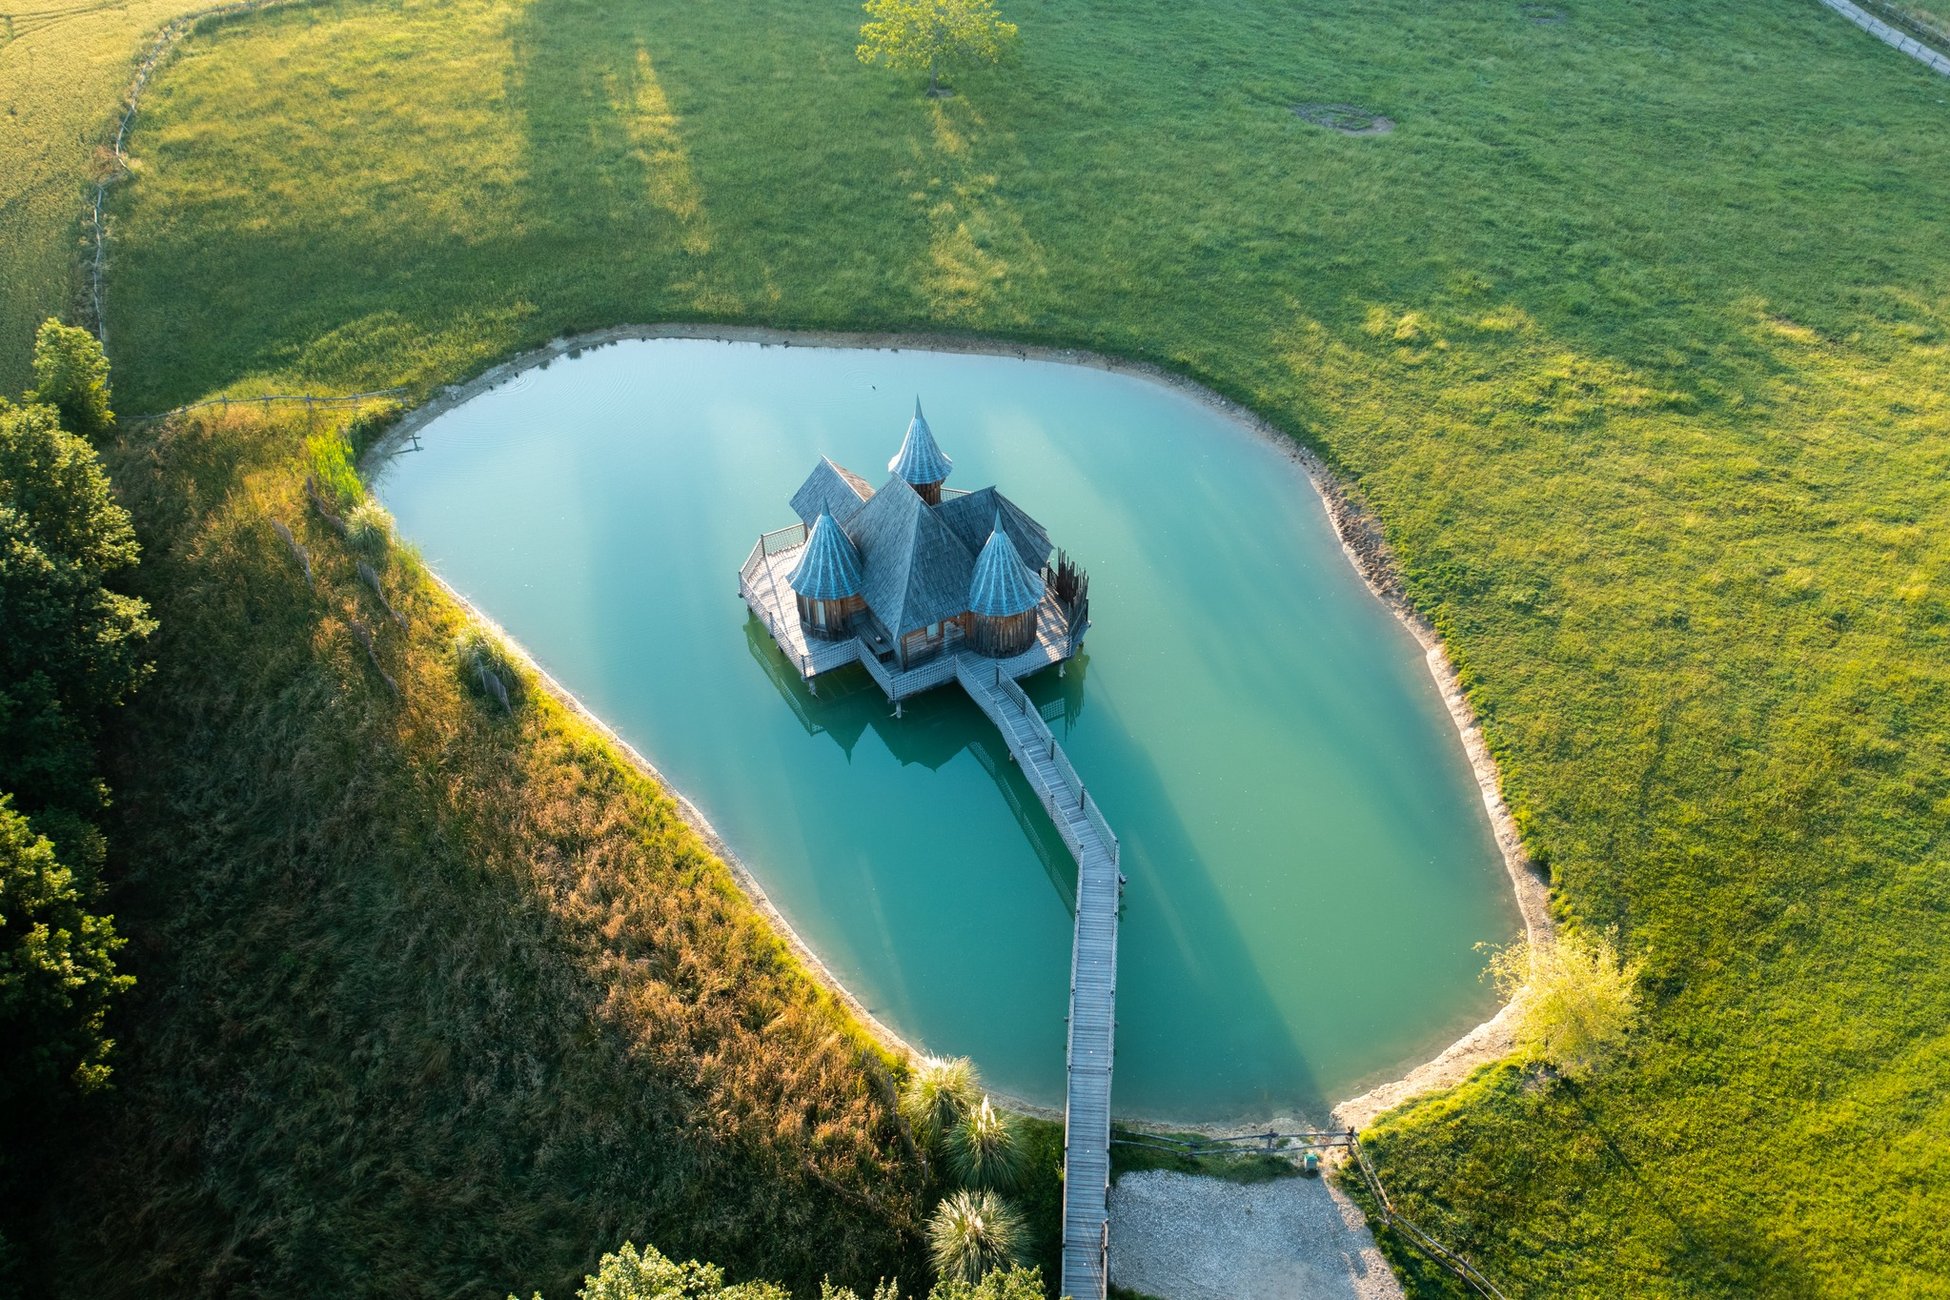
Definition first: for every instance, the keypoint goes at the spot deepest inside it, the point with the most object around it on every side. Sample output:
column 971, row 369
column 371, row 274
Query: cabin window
column 934, row 631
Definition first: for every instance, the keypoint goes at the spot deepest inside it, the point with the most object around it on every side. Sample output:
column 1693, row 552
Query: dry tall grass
column 433, row 1000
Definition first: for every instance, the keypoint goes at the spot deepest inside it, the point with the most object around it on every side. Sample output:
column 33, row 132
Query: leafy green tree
column 973, row 1233
column 913, row 34
column 1575, row 1000
column 71, row 375
column 73, row 648
column 57, row 977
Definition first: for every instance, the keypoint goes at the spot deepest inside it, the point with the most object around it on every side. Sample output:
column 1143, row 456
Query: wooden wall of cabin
column 999, row 638
column 828, row 620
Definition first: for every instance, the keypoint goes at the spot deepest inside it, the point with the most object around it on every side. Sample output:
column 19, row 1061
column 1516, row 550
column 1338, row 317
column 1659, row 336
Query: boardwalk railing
column 1091, row 1042
column 1079, row 797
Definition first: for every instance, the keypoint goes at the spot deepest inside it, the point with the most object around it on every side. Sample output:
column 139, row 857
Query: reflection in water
column 933, row 729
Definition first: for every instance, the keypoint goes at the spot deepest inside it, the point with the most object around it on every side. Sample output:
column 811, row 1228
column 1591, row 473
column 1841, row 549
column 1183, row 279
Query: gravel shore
column 1182, row 1237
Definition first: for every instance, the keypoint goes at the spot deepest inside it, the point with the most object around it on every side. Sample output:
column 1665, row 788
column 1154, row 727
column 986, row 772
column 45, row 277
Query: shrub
column 1575, row 1000
column 972, row 1234
column 940, row 1091
column 650, row 1275
column 71, row 375
column 369, row 529
column 985, row 1149
column 486, row 670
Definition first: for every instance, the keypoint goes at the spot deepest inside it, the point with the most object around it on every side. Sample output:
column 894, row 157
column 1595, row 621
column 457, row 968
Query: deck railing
column 1071, row 781
column 901, row 683
column 782, row 539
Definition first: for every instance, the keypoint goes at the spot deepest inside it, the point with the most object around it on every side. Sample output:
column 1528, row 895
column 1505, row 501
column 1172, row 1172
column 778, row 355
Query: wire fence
column 1271, row 1142
column 310, row 400
column 152, row 58
column 1892, row 36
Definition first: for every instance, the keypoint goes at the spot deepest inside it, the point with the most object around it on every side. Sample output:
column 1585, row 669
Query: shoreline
column 1361, row 541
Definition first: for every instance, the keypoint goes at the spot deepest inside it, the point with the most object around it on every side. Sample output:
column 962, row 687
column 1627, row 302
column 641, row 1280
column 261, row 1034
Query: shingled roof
column 830, row 568
column 830, row 490
column 972, row 518
column 916, row 569
column 920, row 459
column 1003, row 585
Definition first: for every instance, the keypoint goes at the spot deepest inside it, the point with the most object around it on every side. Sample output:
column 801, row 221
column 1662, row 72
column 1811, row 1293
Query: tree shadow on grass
column 1719, row 1248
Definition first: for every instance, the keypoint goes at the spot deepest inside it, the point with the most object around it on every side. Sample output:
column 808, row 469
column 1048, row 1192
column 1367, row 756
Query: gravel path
column 1181, row 1237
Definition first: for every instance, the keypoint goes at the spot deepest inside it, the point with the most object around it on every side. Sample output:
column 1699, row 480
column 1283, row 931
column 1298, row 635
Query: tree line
column 73, row 648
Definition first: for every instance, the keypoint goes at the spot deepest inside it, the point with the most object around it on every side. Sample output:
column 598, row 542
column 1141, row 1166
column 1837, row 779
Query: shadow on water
column 1211, row 956
column 938, row 726
column 932, row 730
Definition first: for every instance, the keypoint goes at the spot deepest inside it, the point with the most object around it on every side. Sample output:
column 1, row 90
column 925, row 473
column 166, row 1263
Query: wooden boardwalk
column 1093, row 970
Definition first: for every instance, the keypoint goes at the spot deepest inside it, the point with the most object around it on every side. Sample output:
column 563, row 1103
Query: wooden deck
column 762, row 584
column 1093, row 970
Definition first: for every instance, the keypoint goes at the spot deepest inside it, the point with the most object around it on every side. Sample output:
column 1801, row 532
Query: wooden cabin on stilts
column 904, row 578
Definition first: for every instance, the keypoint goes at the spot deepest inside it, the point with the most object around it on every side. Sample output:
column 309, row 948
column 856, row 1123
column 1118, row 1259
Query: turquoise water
column 1310, row 864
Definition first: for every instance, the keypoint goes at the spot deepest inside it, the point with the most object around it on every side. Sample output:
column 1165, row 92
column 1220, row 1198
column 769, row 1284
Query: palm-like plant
column 973, row 1232
column 940, row 1091
column 984, row 1149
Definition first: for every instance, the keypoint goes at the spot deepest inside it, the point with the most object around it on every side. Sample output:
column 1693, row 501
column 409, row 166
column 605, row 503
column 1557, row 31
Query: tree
column 972, row 1234
column 73, row 648
column 933, row 34
column 1574, row 1000
column 57, row 976
column 71, row 375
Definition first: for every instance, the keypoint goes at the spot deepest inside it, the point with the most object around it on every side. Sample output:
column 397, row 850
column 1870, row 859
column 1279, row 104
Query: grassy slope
column 431, row 1002
column 1635, row 332
column 63, row 67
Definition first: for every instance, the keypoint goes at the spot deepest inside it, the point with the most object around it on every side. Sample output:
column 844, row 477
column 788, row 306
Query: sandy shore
column 1361, row 541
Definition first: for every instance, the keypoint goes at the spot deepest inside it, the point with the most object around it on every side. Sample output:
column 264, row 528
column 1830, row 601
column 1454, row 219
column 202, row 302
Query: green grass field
column 1634, row 332
column 64, row 65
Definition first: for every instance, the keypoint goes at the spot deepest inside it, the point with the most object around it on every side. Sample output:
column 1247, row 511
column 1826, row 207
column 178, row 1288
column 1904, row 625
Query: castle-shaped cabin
column 911, row 572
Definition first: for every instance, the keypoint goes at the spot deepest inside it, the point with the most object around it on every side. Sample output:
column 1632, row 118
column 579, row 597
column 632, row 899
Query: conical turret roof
column 830, row 568
column 920, row 459
column 1003, row 585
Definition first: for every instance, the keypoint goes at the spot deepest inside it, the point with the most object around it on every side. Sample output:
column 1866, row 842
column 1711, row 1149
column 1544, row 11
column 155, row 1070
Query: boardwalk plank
column 1093, row 987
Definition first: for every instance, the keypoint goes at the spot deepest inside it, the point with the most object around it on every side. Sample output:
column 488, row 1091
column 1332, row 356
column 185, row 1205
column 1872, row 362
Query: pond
column 1310, row 864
